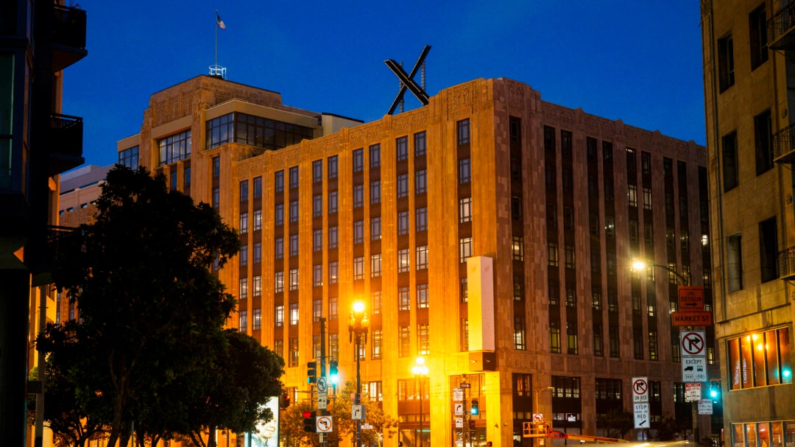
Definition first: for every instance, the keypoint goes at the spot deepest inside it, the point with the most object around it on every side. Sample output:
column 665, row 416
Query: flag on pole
column 220, row 22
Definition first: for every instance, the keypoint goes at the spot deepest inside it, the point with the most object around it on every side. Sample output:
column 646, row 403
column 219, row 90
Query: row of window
column 757, row 31
column 764, row 434
column 763, row 138
column 760, row 359
column 254, row 131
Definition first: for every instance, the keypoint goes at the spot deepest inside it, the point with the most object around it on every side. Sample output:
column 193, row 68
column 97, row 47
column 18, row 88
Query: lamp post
column 357, row 331
column 535, row 405
column 420, row 370
column 683, row 281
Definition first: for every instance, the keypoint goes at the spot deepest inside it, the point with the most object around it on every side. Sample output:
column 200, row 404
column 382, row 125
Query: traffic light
column 310, row 425
column 284, row 400
column 332, row 372
column 311, row 372
column 714, row 389
column 474, row 411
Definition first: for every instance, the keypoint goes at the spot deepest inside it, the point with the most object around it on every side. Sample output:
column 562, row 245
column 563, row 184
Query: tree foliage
column 150, row 310
column 616, row 422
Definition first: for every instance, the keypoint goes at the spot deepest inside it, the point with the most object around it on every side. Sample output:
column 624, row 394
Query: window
column 463, row 290
column 553, row 290
column 375, row 228
column 332, row 202
column 175, row 148
column 186, row 180
column 358, row 232
column 402, row 148
column 129, row 158
column 402, row 185
column 422, row 257
column 375, row 156
column 293, row 211
column 173, row 186
column 517, row 248
column 635, row 303
column 550, row 178
column 735, row 263
column 568, row 181
column 552, row 216
column 317, row 240
column 465, row 210
column 257, row 285
column 404, row 302
column 278, row 215
column 293, row 279
column 554, row 337
column 730, row 168
column 243, row 294
column 317, row 310
column 294, row 314
column 333, row 309
column 464, row 335
column 420, row 182
column 293, row 245
column 332, row 237
column 244, row 190
column 614, row 345
column 293, row 352
column 610, row 226
column 358, row 268
column 278, row 181
column 376, row 344
column 726, row 62
column 216, row 198
column 332, row 167
column 243, row 320
column 317, row 171
column 646, row 198
column 633, row 231
column 403, row 261
column 243, row 223
column 333, row 346
column 632, row 195
column 464, row 248
column 516, row 169
column 257, row 220
column 358, row 160
column 653, row 345
column 358, row 196
column 763, row 134
column 315, row 346
column 598, row 341
column 768, row 249
column 596, row 299
column 375, row 192
column 419, row 144
column 376, row 301
column 423, row 336
column 519, row 334
column 757, row 24
column 516, row 207
column 279, row 314
column 464, row 171
column 760, row 359
column 645, row 163
column 571, row 295
column 552, row 254
column 333, row 272
column 317, row 205
column 463, row 132
column 422, row 296
column 568, row 218
column 518, row 288
column 317, row 275
column 256, row 322
column 257, row 187
column 375, row 265
column 637, row 342
column 405, row 343
column 278, row 248
column 570, row 263
column 421, row 220
column 403, row 223
column 294, row 177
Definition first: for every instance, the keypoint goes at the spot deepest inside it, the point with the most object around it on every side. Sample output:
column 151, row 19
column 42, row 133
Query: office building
column 747, row 52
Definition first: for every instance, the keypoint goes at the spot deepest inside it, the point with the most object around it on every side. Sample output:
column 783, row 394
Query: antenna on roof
column 215, row 69
column 406, row 81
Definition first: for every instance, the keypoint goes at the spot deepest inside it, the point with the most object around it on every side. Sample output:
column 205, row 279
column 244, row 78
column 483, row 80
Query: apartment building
column 747, row 48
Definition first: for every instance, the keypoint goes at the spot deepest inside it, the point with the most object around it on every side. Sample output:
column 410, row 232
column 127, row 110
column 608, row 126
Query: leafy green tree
column 617, row 423
column 145, row 295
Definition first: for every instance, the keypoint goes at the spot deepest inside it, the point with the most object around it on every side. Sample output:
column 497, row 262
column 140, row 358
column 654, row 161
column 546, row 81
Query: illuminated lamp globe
column 358, row 307
column 638, row 265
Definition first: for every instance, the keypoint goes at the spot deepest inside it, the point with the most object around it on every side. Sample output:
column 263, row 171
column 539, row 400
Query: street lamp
column 357, row 332
column 420, row 370
column 535, row 406
column 640, row 266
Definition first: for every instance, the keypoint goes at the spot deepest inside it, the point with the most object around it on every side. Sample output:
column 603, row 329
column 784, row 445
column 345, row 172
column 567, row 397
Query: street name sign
column 641, row 415
column 692, row 392
column 367, row 427
column 691, row 318
column 691, row 298
column 640, row 389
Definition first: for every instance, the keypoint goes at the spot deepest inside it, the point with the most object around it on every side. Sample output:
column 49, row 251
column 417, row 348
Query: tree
column 617, row 423
column 145, row 295
column 670, row 427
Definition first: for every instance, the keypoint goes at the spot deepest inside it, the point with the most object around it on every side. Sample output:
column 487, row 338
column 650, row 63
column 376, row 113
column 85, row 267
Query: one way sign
column 640, row 389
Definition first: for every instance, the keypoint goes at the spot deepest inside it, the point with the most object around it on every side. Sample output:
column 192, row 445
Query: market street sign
column 692, row 318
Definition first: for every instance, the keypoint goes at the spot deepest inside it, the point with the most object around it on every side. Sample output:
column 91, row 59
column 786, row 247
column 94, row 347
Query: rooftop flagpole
column 215, row 70
column 216, row 38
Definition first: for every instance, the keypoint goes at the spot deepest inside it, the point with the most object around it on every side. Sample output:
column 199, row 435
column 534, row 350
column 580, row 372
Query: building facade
column 747, row 46
column 556, row 201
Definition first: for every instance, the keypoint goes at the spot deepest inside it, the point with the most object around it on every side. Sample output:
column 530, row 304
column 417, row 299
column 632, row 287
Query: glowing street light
column 420, row 370
column 357, row 327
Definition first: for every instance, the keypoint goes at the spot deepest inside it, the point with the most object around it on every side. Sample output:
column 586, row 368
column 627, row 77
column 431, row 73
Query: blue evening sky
column 638, row 61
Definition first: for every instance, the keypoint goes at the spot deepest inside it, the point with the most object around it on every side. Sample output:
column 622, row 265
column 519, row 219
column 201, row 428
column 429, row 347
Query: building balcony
column 66, row 151
column 68, row 36
column 42, row 266
column 786, row 264
column 784, row 145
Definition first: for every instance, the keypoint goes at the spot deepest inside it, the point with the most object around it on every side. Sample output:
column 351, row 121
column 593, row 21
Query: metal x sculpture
column 406, row 80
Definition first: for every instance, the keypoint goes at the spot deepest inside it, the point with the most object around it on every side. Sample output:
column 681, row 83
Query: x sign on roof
column 406, row 80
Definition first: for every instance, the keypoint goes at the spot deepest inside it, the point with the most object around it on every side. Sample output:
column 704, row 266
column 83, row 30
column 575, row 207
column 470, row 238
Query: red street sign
column 691, row 298
column 692, row 318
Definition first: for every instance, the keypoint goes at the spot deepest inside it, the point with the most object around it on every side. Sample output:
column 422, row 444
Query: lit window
column 293, row 314
column 293, row 279
column 422, row 296
column 375, row 265
column 422, row 257
column 278, row 282
column 465, row 210
column 465, row 248
column 358, row 268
